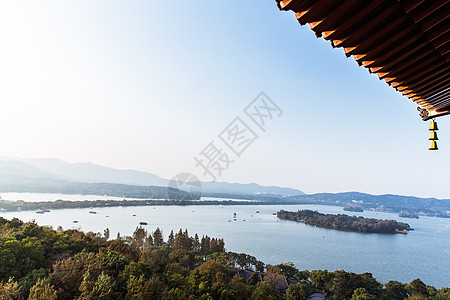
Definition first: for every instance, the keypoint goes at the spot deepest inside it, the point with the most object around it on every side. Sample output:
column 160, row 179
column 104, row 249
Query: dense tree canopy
column 41, row 263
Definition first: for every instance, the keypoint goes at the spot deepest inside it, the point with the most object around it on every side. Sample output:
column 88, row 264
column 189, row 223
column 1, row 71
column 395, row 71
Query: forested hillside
column 41, row 263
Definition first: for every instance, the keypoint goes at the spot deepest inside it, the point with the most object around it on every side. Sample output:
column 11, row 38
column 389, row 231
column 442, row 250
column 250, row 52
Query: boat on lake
column 408, row 215
column 143, row 223
column 354, row 208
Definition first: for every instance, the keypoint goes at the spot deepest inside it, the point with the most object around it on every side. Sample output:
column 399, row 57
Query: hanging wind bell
column 433, row 125
column 433, row 136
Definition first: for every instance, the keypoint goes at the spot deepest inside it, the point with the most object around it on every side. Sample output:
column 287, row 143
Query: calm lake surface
column 424, row 253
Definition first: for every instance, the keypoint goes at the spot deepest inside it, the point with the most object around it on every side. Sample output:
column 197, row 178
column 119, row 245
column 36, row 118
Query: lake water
column 424, row 253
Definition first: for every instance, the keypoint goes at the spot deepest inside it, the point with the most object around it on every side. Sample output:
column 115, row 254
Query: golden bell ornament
column 433, row 136
column 433, row 146
column 433, row 126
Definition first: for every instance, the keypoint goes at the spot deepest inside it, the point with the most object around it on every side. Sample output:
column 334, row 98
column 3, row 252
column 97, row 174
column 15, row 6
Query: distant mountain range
column 51, row 175
column 33, row 171
column 389, row 203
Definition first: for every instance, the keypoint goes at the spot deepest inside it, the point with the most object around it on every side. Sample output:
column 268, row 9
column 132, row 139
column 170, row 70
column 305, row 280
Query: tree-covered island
column 344, row 222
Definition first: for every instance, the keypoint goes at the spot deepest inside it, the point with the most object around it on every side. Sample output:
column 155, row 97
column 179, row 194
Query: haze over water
column 424, row 253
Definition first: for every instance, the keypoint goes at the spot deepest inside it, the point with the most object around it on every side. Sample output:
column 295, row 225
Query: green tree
column 290, row 271
column 139, row 288
column 319, row 278
column 417, row 288
column 340, row 285
column 196, row 245
column 432, row 292
column 362, row 294
column 298, row 291
column 69, row 273
column 18, row 258
column 265, row 290
column 86, row 286
column 444, row 294
column 209, row 278
column 148, row 243
column 178, row 241
column 158, row 237
column 417, row 297
column 187, row 241
column 139, row 236
column 28, row 281
column 103, row 287
column 253, row 279
column 42, row 290
column 204, row 245
column 343, row 284
column 396, row 290
column 243, row 290
column 10, row 290
column 171, row 239
column 15, row 223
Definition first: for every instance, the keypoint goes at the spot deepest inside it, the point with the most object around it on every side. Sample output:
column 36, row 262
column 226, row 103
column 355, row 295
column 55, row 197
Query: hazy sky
column 147, row 85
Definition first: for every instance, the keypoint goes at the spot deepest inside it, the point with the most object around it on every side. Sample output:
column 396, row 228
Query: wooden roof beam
column 434, row 19
column 412, row 64
column 390, row 59
column 391, row 48
column 426, row 8
column 337, row 17
column 425, row 76
column 363, row 32
column 424, row 66
column 444, row 49
column 430, row 83
column 382, row 42
column 344, row 30
column 438, row 98
column 438, row 30
column 315, row 12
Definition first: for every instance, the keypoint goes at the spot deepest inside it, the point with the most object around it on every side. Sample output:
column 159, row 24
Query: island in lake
column 345, row 222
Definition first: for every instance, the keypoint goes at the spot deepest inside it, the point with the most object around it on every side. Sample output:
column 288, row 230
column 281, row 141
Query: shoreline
column 103, row 201
column 14, row 206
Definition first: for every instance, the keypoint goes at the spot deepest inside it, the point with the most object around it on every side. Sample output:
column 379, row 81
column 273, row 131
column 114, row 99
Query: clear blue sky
column 148, row 84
